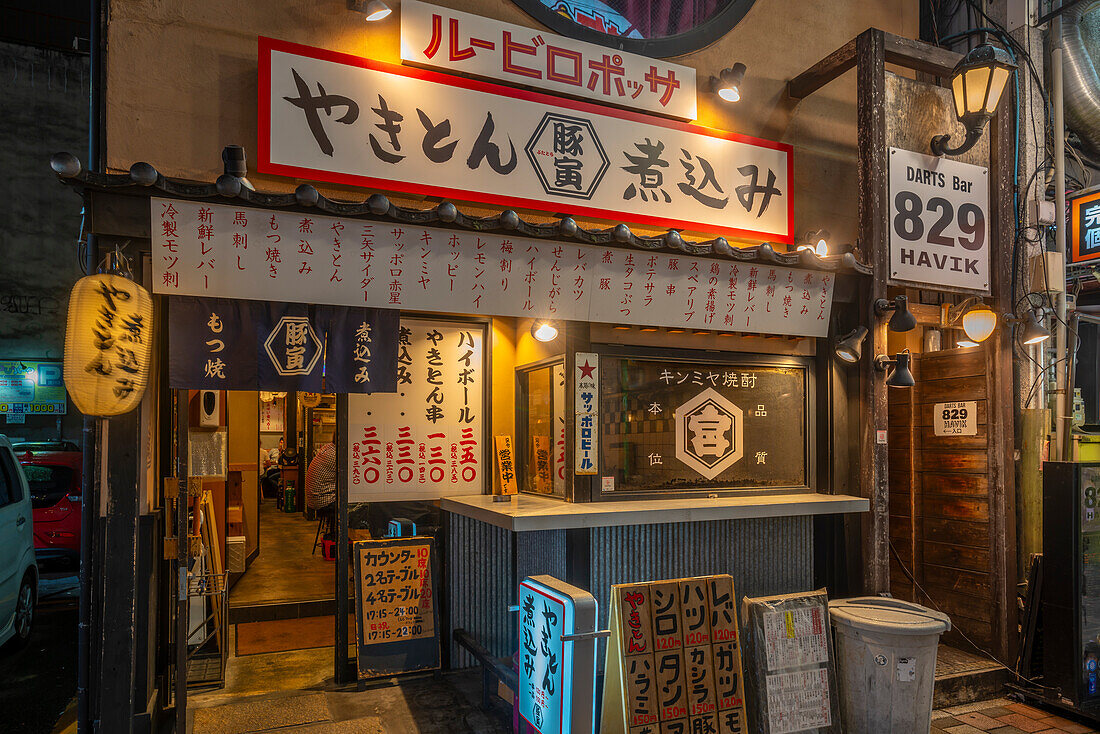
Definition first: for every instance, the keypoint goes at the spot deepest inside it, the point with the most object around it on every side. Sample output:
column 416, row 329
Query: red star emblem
column 587, row 369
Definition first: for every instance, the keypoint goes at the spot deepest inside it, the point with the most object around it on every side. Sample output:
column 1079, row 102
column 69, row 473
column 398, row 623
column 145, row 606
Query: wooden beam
column 919, row 56
column 899, row 51
column 823, row 72
column 873, row 203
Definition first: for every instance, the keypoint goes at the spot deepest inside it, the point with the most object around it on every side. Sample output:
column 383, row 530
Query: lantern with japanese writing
column 108, row 341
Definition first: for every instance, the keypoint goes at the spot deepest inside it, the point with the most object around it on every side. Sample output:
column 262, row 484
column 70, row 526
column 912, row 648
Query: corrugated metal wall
column 765, row 556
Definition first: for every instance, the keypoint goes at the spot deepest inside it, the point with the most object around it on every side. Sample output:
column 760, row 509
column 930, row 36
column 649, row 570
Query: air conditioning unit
column 210, row 408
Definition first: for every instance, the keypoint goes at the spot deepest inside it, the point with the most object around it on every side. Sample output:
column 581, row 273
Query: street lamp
column 977, row 82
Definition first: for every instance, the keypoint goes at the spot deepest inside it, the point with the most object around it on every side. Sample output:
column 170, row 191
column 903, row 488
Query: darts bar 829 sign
column 334, row 117
column 939, row 222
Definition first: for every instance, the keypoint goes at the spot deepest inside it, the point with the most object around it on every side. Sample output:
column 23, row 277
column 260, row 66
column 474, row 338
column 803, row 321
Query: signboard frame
column 1076, row 203
column 742, row 361
column 596, row 209
column 384, row 659
column 13, row 367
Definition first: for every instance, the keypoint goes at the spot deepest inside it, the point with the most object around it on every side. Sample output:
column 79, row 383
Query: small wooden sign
column 505, row 483
column 396, row 612
column 673, row 661
column 542, row 459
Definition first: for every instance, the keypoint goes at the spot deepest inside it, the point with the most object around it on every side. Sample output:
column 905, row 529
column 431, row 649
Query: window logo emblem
column 709, row 433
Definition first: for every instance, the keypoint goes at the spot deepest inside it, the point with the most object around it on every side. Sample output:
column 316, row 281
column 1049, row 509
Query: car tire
column 22, row 624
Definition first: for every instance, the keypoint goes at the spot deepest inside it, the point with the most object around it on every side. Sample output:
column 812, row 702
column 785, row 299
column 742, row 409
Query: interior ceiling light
column 544, row 331
column 727, row 84
column 900, row 376
column 849, row 348
column 902, row 319
column 979, row 323
column 816, row 241
column 976, row 85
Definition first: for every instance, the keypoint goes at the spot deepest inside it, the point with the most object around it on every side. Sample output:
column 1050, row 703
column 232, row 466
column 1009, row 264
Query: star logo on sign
column 587, row 369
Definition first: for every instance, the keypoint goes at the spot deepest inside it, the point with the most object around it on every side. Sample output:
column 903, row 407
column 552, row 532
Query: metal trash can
column 886, row 663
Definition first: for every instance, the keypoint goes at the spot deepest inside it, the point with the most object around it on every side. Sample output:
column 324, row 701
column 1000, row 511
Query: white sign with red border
column 586, row 404
column 464, row 43
column 333, row 117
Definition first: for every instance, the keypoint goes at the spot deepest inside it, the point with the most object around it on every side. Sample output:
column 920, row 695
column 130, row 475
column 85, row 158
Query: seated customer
column 321, row 479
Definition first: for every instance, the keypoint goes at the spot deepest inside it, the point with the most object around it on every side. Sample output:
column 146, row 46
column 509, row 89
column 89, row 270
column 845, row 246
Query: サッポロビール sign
column 334, row 117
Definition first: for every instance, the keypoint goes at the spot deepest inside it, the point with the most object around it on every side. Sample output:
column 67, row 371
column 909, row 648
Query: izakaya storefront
column 533, row 394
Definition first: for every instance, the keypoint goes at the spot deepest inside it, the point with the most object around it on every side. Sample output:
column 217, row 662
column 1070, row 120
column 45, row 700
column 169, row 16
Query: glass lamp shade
column 979, row 323
column 108, row 341
column 978, row 82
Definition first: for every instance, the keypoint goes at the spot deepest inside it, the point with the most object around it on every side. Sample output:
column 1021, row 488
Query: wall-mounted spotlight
column 1033, row 330
column 976, row 84
column 849, row 348
column 902, row 319
column 544, row 331
column 372, row 10
column 816, row 241
column 901, row 376
column 727, row 84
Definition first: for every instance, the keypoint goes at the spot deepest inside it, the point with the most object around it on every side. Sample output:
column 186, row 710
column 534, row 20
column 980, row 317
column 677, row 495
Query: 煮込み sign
column 345, row 119
column 939, row 222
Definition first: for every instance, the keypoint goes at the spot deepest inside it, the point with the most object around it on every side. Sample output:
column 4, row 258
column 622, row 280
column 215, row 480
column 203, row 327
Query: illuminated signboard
column 557, row 673
column 1084, row 228
column 32, row 388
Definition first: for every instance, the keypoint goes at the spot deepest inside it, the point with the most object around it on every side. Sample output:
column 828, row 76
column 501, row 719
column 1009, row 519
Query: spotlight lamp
column 902, row 319
column 372, row 10
column 544, row 331
column 1032, row 330
column 816, row 241
column 900, row 376
column 849, row 348
column 727, row 84
column 977, row 83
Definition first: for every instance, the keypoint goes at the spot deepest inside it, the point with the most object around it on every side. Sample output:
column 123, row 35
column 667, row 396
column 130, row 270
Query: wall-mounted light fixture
column 976, row 84
column 1033, row 331
column 902, row 319
column 544, row 331
column 900, row 376
column 727, row 84
column 966, row 343
column 979, row 323
column 372, row 10
column 816, row 241
column 849, row 348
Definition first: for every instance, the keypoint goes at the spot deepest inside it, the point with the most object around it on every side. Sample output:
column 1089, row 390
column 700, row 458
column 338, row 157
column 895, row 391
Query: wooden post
column 341, row 667
column 179, row 566
column 873, row 246
column 1002, row 465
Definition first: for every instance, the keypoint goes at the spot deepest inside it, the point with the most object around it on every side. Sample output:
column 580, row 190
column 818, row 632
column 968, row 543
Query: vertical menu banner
column 674, row 661
column 586, row 381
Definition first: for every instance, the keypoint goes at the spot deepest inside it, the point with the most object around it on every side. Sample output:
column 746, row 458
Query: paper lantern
column 108, row 343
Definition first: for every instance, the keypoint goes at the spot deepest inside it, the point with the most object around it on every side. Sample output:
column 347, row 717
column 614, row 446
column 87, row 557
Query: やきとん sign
column 328, row 116
column 939, row 222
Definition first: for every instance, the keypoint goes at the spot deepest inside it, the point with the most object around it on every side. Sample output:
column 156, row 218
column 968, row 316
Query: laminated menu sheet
column 790, row 674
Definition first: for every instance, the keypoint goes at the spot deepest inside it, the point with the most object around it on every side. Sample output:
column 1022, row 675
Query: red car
column 53, row 472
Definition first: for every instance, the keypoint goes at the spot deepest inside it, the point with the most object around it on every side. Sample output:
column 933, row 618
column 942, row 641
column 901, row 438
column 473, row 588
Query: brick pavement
column 1002, row 716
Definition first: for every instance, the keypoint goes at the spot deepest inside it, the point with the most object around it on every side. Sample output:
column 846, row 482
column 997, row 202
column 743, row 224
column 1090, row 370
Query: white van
column 18, row 570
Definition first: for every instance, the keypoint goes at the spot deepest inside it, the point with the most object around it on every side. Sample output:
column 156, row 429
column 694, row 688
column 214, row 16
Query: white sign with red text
column 426, row 440
column 333, row 117
column 458, row 42
column 586, row 404
column 218, row 250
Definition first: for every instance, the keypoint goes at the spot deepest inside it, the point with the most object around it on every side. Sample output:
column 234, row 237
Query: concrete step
column 281, row 610
column 964, row 677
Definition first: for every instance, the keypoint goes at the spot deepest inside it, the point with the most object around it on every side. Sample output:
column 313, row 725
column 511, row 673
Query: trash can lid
column 887, row 615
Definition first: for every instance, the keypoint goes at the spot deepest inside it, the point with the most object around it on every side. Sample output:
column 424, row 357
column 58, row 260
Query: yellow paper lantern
column 108, row 343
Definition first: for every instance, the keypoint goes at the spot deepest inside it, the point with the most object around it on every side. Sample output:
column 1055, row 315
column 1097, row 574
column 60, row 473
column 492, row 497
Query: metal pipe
column 1062, row 405
column 88, row 505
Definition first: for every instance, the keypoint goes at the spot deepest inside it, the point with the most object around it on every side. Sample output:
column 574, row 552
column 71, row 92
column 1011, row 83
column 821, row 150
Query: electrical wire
column 955, row 627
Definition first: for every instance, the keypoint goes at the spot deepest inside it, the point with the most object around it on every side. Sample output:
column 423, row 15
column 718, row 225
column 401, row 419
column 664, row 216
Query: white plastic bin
column 886, row 663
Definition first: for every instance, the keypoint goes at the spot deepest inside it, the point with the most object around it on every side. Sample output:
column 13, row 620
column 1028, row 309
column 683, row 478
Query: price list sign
column 396, row 626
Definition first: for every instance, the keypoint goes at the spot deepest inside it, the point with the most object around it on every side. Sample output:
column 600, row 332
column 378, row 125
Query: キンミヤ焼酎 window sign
column 344, row 119
column 669, row 425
